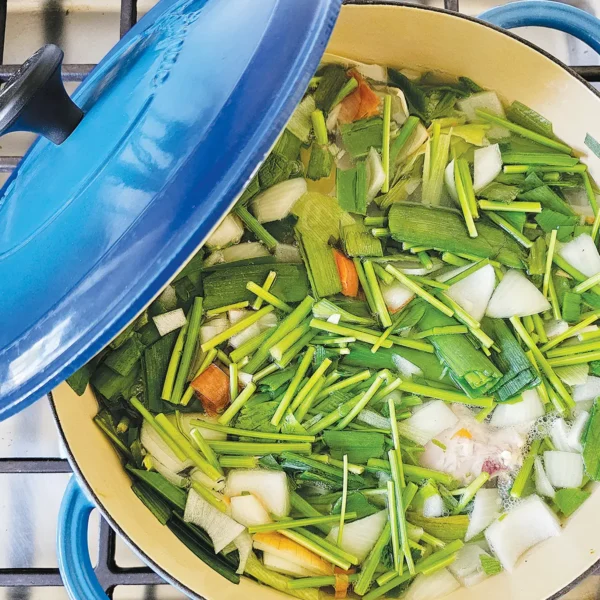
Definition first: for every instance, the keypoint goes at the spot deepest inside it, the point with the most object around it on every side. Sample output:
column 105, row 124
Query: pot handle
column 543, row 13
column 74, row 562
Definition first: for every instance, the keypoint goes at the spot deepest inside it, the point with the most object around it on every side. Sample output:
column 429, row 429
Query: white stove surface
column 29, row 503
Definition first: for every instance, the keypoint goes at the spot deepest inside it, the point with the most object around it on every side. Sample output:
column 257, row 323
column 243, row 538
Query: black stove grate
column 109, row 573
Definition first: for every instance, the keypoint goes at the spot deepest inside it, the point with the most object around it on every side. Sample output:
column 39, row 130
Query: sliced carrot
column 341, row 581
column 363, row 102
column 285, row 548
column 463, row 433
column 212, row 387
column 347, row 273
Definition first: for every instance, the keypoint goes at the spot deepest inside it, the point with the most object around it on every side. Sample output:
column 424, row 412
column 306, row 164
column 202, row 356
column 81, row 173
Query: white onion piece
column 430, row 587
column 467, row 566
column 590, row 390
column 416, row 140
column 405, row 367
column 516, row 296
column 212, row 328
column 169, row 321
column 449, row 180
column 542, row 484
column 237, row 314
column 375, row 174
column 270, row 487
column 396, row 295
column 577, row 429
column 244, row 251
column 486, row 508
column 555, row 327
column 154, row 444
column 582, row 254
column 265, row 322
column 433, row 506
column 573, row 374
column 559, row 434
column 519, row 413
column 332, row 117
column 286, row 253
column 487, row 166
column 360, row 536
column 374, row 72
column 564, row 469
column 433, row 418
column 230, row 231
column 249, row 511
column 489, row 102
column 276, row 203
column 284, row 566
column 221, row 529
column 528, row 524
column 473, row 293
column 243, row 543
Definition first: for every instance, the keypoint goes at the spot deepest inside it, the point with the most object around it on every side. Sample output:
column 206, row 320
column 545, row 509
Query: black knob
column 34, row 98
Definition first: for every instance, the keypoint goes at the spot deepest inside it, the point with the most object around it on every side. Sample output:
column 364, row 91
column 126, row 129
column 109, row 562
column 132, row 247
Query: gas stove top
column 33, row 468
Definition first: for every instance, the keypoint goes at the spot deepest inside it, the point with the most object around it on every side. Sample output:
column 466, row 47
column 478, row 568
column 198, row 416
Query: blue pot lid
column 178, row 116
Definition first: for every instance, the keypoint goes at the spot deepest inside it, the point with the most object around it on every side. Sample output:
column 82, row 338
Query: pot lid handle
column 34, row 98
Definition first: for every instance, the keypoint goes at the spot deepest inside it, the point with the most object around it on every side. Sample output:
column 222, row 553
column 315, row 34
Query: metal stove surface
column 33, row 470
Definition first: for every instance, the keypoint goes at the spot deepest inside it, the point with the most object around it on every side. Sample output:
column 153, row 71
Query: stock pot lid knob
column 34, row 98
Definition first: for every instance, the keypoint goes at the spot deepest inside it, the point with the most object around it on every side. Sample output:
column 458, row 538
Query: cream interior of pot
column 421, row 39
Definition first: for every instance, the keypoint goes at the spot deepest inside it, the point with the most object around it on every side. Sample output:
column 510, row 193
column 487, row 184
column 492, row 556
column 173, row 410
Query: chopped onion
column 467, row 566
column 449, row 180
column 396, row 295
column 332, row 117
column 433, row 506
column 564, row 469
column 405, row 367
column 573, row 374
column 243, row 543
column 587, row 391
column 244, row 251
column 416, row 140
column 230, row 231
column 169, row 321
column 473, row 293
column 270, row 487
column 159, row 450
column 430, row 587
column 542, row 483
column 276, row 203
column 516, row 296
column 360, row 536
column 221, row 529
column 486, row 508
column 286, row 253
column 519, row 413
column 267, row 321
column 212, row 328
column 374, row 72
column 577, row 429
column 284, row 566
column 528, row 524
column 490, row 102
column 582, row 254
column 559, row 434
column 433, row 418
column 249, row 511
column 375, row 174
column 555, row 327
column 487, row 166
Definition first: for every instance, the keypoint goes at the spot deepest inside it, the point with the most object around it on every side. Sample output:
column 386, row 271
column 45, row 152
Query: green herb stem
column 266, row 286
column 467, row 181
column 345, row 383
column 510, row 229
column 359, row 334
column 303, row 400
column 363, row 401
column 259, row 435
column 464, row 274
column 463, row 201
column 258, row 448
column 268, row 297
column 255, row 227
column 525, row 470
column 208, row 452
column 445, row 395
column 169, row 383
column 362, row 278
column 250, row 346
column 470, row 491
column 520, row 206
column 381, row 308
column 295, row 523
column 208, row 360
column 238, row 462
column 317, row 582
column 402, row 527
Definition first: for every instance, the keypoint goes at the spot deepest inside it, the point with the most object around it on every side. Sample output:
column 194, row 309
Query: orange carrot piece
column 350, row 106
column 212, row 387
column 348, row 274
column 363, row 102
